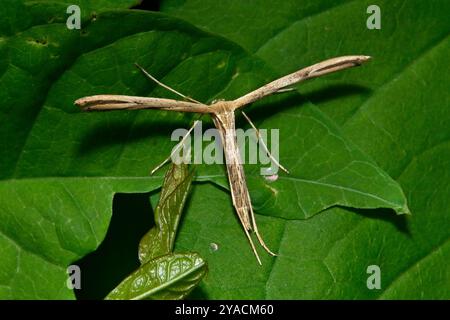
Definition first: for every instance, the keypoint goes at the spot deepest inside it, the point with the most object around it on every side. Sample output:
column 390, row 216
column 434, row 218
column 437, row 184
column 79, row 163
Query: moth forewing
column 122, row 102
column 313, row 71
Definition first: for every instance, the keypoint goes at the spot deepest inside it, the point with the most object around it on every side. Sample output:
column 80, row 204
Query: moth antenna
column 165, row 86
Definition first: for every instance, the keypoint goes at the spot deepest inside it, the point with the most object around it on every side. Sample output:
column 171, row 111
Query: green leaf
column 161, row 238
column 319, row 176
column 393, row 108
column 325, row 257
column 47, row 223
column 169, row 277
column 49, row 147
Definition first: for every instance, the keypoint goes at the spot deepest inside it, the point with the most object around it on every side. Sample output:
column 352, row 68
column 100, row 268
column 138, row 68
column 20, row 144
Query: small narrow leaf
column 160, row 239
column 169, row 277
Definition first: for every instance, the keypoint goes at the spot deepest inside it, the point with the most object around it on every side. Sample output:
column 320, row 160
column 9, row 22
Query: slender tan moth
column 223, row 116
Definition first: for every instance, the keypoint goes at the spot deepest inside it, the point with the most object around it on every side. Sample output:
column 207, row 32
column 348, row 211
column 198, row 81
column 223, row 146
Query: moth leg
column 262, row 243
column 177, row 147
column 264, row 144
column 248, row 235
column 255, row 230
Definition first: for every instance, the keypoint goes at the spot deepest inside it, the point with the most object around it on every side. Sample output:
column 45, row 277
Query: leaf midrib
column 170, row 282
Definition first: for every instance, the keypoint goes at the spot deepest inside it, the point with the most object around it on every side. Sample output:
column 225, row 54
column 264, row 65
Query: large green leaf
column 60, row 168
column 398, row 115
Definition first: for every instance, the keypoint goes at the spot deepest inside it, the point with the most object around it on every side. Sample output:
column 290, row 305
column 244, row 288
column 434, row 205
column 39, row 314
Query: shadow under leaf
column 118, row 133
column 117, row 256
column 399, row 221
column 283, row 101
column 334, row 92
